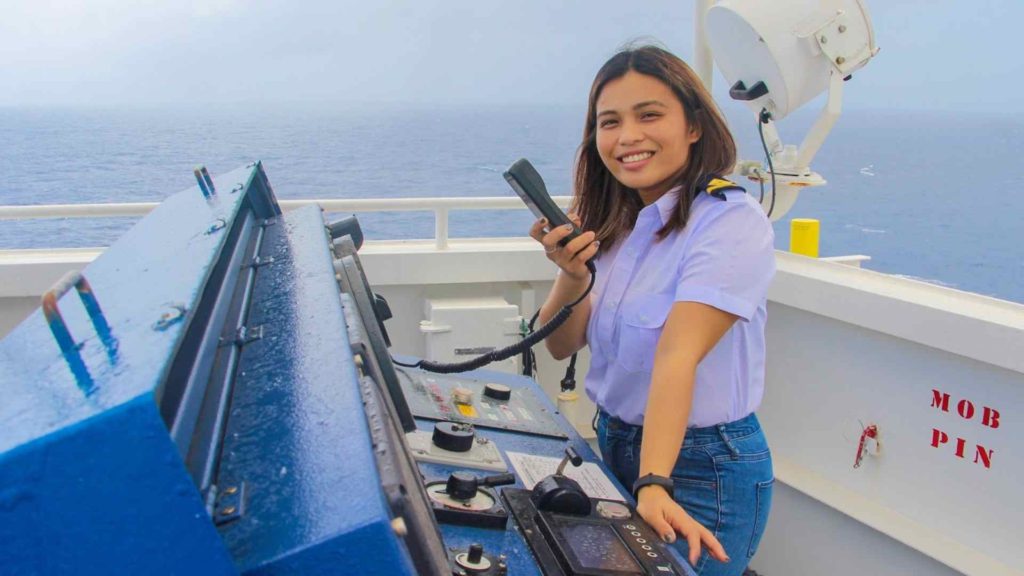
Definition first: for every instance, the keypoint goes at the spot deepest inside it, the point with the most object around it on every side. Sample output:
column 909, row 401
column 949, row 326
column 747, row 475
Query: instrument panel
column 482, row 402
column 512, row 486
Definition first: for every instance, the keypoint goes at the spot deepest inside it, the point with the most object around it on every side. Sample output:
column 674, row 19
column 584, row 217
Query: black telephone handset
column 524, row 179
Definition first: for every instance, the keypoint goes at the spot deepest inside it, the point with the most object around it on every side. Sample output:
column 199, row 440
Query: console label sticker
column 531, row 469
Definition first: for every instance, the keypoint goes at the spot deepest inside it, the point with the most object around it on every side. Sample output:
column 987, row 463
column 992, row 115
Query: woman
column 675, row 322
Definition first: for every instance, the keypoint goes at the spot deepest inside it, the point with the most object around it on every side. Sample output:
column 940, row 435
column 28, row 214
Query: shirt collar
column 667, row 203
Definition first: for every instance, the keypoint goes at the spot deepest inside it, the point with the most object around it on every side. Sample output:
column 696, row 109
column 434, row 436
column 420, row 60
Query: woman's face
column 642, row 134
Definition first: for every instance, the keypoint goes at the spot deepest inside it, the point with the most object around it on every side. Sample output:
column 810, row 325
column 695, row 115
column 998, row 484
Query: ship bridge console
column 223, row 401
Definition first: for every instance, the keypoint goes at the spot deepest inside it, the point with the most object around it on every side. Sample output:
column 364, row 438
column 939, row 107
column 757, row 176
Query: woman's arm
column 691, row 331
column 569, row 285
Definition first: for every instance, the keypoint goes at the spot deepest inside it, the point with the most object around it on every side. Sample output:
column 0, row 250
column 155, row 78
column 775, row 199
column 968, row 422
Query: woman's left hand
column 667, row 517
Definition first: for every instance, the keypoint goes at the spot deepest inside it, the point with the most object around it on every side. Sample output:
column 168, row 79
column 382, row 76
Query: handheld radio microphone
column 527, row 183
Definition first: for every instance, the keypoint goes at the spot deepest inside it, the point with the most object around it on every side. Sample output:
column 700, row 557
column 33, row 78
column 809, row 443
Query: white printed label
column 532, row 469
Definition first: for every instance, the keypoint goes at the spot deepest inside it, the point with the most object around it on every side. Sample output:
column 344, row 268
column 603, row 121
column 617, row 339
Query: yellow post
column 803, row 236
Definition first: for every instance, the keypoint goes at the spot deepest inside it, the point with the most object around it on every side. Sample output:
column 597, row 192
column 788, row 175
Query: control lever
column 463, row 485
column 559, row 493
column 467, row 500
column 571, row 455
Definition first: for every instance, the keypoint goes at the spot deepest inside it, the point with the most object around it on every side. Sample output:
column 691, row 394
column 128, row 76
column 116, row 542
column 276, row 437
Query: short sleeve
column 730, row 259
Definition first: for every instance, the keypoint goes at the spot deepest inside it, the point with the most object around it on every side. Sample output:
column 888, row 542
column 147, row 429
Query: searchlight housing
column 779, row 55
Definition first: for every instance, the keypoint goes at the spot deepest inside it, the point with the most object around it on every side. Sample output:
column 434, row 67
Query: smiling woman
column 639, row 121
column 675, row 322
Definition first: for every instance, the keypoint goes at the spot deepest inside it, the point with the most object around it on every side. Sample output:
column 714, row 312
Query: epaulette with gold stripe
column 717, row 187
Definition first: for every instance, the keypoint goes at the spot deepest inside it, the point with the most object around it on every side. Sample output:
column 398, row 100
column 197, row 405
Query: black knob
column 561, row 494
column 476, row 552
column 497, row 392
column 453, row 436
column 461, row 485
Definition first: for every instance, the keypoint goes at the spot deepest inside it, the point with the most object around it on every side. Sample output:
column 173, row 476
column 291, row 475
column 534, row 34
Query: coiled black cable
column 508, row 351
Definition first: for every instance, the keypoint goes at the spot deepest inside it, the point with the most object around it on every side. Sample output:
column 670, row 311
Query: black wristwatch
column 649, row 479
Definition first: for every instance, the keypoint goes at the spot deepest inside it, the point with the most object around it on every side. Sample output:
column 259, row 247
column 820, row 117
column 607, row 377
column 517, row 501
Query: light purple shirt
column 724, row 257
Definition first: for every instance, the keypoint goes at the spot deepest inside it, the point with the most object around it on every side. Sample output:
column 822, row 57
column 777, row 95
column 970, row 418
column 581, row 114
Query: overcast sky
column 935, row 53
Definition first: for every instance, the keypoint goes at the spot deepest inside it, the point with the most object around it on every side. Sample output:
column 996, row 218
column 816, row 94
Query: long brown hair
column 605, row 205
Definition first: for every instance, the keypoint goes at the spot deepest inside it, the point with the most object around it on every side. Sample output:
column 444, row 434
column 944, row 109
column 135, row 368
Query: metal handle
column 571, row 455
column 205, row 181
column 739, row 91
column 92, row 307
column 498, row 480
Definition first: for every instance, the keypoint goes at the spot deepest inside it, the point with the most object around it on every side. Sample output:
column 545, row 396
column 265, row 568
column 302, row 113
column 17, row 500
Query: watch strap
column 653, row 479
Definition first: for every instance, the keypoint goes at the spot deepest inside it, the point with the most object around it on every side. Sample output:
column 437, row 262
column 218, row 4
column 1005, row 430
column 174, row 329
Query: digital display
column 596, row 546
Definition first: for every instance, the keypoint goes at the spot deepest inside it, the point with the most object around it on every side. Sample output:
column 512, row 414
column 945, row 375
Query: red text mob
column 988, row 417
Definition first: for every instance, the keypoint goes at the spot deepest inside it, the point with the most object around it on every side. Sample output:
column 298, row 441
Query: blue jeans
column 723, row 479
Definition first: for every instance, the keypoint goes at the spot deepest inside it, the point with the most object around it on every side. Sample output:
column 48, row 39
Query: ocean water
column 928, row 195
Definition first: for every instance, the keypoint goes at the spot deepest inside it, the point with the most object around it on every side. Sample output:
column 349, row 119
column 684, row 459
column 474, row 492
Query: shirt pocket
column 642, row 323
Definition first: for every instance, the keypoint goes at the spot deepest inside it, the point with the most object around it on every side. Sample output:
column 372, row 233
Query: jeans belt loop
column 728, row 441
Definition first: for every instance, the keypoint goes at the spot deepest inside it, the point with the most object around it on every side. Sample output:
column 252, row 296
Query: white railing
column 111, row 210
column 439, row 206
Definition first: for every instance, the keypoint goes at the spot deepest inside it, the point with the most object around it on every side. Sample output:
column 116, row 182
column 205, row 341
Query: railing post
column 441, row 228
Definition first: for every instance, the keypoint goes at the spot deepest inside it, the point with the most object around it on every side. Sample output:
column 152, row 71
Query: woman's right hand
column 667, row 518
column 571, row 258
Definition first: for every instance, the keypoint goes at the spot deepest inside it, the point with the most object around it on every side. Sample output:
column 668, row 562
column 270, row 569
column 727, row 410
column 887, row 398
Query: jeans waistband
column 718, row 432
